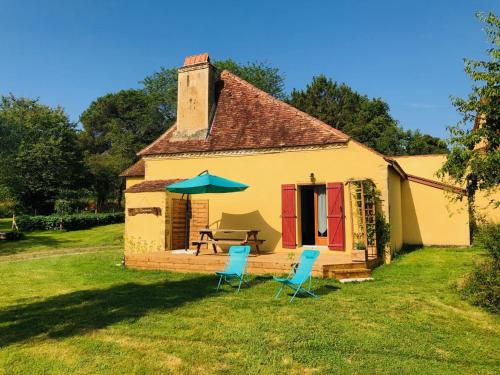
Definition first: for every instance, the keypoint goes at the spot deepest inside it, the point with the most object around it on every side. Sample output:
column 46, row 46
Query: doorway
column 313, row 217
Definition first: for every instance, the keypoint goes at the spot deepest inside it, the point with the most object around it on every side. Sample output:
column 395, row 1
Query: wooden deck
column 328, row 265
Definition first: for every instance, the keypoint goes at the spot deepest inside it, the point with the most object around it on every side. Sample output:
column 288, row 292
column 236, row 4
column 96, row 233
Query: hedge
column 68, row 222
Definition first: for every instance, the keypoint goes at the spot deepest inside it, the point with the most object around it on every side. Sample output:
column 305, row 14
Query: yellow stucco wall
column 422, row 165
column 431, row 218
column 395, row 210
column 427, row 165
column 131, row 181
column 485, row 206
column 260, row 205
column 146, row 232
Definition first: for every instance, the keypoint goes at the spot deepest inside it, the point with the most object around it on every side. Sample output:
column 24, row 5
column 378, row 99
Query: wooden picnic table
column 211, row 239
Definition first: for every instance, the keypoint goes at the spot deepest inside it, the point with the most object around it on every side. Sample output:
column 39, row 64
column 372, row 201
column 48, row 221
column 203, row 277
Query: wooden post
column 364, row 220
column 351, row 215
column 14, row 224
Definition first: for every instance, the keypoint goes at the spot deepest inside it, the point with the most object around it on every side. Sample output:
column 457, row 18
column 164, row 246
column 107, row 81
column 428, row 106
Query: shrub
column 482, row 286
column 383, row 233
column 488, row 237
column 63, row 207
column 68, row 222
column 7, row 202
column 7, row 207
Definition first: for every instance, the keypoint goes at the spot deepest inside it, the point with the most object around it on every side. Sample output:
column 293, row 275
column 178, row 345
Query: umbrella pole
column 186, row 227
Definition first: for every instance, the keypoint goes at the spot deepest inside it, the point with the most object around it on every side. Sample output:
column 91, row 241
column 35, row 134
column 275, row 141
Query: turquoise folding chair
column 295, row 281
column 235, row 267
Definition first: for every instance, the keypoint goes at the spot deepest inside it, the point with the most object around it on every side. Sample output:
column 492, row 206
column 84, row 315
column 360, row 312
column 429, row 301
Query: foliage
column 84, row 314
column 482, row 285
column 488, row 237
column 383, row 232
column 416, row 143
column 8, row 203
column 474, row 159
column 259, row 74
column 68, row 222
column 360, row 246
column 40, row 155
column 63, row 207
column 366, row 120
column 115, row 127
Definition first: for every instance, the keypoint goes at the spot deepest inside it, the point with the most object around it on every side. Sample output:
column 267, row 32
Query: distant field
column 107, row 235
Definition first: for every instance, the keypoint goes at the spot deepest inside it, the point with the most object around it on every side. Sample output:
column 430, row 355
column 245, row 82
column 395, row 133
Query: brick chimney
column 195, row 97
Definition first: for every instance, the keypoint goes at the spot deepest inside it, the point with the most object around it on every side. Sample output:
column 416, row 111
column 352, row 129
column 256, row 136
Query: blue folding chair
column 235, row 267
column 295, row 281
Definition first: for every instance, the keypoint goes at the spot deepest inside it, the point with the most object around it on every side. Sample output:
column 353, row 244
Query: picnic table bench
column 211, row 239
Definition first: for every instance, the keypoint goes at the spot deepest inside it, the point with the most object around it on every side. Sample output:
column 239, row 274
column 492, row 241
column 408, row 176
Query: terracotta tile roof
column 135, row 170
column 249, row 118
column 196, row 59
column 151, row 186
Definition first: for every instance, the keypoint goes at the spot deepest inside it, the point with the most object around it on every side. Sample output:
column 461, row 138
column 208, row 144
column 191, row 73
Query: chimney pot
column 196, row 59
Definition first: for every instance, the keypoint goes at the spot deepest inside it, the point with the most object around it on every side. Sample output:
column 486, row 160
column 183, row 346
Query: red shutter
column 336, row 222
column 288, row 217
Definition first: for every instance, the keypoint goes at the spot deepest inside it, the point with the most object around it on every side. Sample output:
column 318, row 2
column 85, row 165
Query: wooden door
column 198, row 219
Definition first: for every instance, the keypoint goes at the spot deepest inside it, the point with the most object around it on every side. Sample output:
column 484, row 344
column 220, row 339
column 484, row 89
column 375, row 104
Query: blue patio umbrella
column 201, row 184
column 206, row 183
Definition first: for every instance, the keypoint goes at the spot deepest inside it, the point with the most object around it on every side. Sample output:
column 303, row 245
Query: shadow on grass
column 31, row 240
column 322, row 290
column 79, row 312
column 251, row 281
column 406, row 249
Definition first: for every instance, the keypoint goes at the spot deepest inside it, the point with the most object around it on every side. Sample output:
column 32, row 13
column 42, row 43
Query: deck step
column 352, row 266
column 274, row 264
column 356, row 280
column 347, row 273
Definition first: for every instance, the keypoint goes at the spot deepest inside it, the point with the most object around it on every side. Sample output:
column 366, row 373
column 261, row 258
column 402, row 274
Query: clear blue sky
column 407, row 52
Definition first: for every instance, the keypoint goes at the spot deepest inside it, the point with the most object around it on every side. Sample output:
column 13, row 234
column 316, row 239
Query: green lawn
column 5, row 224
column 108, row 235
column 84, row 314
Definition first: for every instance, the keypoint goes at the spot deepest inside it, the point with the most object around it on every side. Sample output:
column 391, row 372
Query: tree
column 162, row 85
column 40, row 155
column 417, row 143
column 474, row 159
column 366, row 120
column 115, row 127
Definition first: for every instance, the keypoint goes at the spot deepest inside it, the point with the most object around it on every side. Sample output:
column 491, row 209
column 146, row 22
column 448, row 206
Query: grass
column 5, row 224
column 84, row 314
column 107, row 235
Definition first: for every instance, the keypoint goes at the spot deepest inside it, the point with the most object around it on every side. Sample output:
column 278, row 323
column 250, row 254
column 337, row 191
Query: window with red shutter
column 336, row 220
column 288, row 216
